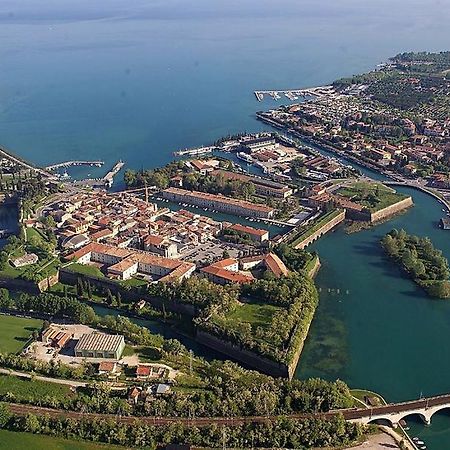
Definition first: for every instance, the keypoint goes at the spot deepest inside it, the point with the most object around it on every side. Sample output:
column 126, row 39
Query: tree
column 5, row 415
column 440, row 289
column 80, row 288
column 5, row 300
column 173, row 346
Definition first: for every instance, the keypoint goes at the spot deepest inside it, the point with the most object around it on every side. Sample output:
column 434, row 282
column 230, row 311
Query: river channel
column 374, row 328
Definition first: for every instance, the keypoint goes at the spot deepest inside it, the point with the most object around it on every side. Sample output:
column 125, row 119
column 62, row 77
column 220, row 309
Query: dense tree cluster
column 294, row 258
column 234, row 391
column 418, row 257
column 297, row 299
column 198, row 292
column 159, row 177
column 218, row 184
column 281, row 433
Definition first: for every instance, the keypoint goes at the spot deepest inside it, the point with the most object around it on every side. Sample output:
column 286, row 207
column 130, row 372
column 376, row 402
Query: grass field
column 35, row 389
column 15, row 331
column 256, row 314
column 374, row 196
column 84, row 269
column 10, row 440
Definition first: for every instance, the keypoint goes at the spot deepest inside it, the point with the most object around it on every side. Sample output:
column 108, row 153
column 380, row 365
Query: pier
column 195, row 151
column 66, row 164
column 294, row 94
column 108, row 179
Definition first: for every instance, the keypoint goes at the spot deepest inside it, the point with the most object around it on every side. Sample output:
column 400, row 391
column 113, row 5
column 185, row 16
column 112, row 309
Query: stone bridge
column 395, row 412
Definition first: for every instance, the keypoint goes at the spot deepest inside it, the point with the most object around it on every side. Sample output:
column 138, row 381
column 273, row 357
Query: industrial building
column 100, row 345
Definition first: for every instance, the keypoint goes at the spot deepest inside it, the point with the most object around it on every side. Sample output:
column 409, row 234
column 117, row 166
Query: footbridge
column 395, row 412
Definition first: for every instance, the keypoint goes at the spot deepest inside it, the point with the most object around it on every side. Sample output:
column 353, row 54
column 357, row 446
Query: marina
column 66, row 164
column 294, row 94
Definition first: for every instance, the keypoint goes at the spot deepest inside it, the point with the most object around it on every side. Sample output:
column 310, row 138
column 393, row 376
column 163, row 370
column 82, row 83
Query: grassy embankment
column 307, row 231
column 47, row 264
column 10, row 440
column 373, row 196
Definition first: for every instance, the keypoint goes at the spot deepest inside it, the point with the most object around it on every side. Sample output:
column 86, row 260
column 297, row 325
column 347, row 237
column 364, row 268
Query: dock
column 294, row 94
column 195, row 151
column 66, row 164
column 108, row 179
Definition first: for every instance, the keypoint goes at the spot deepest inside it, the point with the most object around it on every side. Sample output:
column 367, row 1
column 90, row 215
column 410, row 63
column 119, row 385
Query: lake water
column 137, row 80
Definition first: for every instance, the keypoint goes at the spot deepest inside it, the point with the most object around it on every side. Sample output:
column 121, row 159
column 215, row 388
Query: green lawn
column 256, row 314
column 15, row 331
column 374, row 196
column 84, row 269
column 310, row 229
column 134, row 282
column 33, row 233
column 10, row 440
column 35, row 389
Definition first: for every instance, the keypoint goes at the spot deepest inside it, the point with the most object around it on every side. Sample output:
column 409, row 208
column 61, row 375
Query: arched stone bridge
column 395, row 412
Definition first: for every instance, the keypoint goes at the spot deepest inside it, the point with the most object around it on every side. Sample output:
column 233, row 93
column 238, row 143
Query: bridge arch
column 425, row 418
column 382, row 421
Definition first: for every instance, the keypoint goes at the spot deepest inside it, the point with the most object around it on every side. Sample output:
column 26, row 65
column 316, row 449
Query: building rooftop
column 99, row 342
column 220, row 198
column 249, row 230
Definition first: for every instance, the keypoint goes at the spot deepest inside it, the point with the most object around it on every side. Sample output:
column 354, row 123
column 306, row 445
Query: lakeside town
column 217, row 255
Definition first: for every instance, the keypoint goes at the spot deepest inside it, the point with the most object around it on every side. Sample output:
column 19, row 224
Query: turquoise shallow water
column 136, row 80
column 374, row 328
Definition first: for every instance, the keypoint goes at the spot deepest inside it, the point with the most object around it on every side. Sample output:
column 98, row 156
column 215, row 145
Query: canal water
column 374, row 328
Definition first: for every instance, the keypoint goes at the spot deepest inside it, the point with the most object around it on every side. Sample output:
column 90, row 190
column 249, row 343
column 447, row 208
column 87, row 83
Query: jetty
column 66, row 164
column 108, row 179
column 294, row 94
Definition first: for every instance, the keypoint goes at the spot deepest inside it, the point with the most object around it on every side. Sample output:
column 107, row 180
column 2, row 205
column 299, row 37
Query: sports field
column 15, row 331
column 10, row 440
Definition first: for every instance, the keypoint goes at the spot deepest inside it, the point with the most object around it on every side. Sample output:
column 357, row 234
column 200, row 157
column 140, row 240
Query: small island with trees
column 421, row 260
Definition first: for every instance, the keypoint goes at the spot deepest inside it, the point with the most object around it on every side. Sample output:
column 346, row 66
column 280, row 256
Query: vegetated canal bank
column 374, row 328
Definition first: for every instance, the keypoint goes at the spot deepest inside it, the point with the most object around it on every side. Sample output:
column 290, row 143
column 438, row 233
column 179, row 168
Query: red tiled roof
column 249, row 230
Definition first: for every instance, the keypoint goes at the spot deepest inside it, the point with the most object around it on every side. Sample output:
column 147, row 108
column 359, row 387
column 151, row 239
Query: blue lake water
column 137, row 80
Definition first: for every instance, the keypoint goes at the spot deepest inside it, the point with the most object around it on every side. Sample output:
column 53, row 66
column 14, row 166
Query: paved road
column 20, row 162
column 41, row 378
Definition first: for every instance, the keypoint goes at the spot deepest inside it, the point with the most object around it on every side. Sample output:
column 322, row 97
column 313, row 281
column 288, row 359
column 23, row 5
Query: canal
column 374, row 328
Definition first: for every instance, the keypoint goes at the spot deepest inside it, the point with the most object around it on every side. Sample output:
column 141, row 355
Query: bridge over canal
column 395, row 412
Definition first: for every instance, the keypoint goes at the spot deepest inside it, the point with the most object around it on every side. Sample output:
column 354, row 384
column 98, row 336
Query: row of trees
column 281, row 433
column 418, row 257
column 69, row 307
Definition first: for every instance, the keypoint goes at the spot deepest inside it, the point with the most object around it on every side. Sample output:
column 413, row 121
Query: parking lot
column 211, row 251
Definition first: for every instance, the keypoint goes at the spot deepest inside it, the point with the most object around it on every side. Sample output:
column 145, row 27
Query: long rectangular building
column 219, row 202
column 122, row 263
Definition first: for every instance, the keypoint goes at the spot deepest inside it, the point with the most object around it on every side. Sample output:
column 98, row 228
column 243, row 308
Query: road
column 20, row 162
column 71, row 383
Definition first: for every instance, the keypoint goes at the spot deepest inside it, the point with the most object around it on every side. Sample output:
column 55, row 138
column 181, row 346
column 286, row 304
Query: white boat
column 245, row 157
